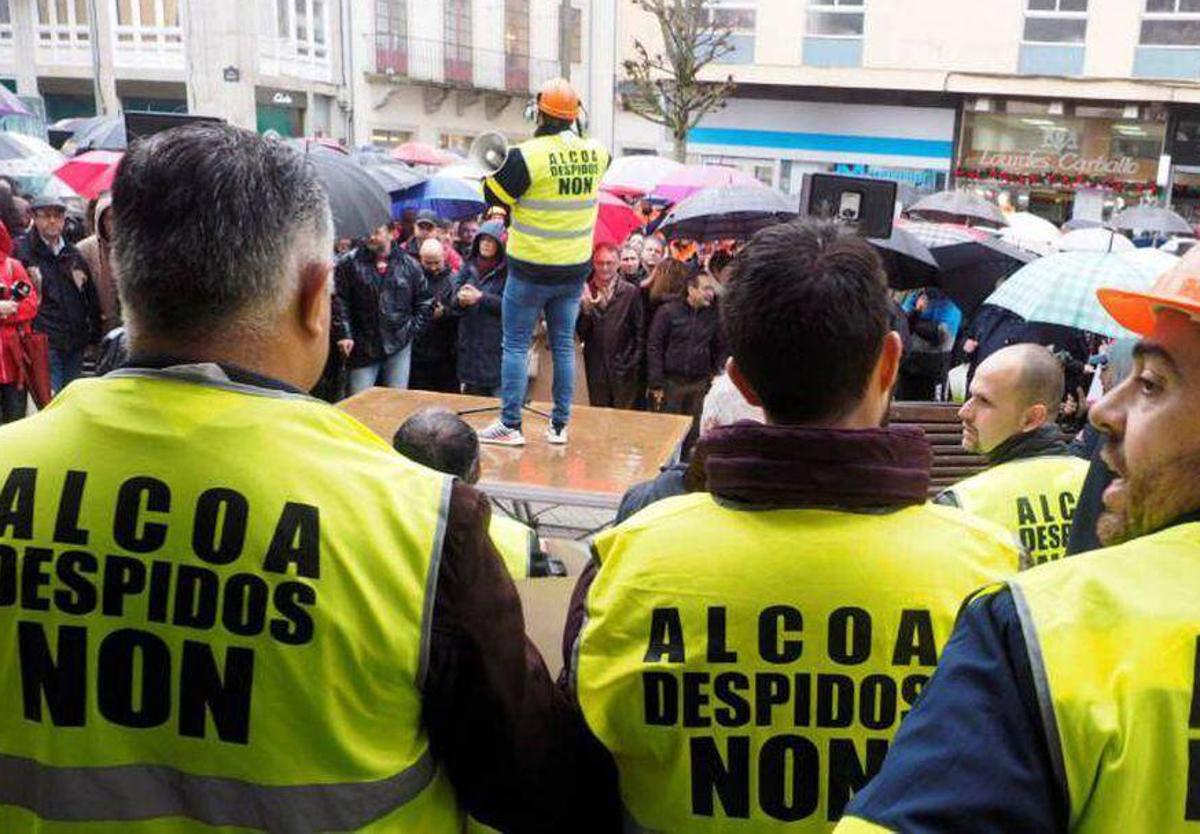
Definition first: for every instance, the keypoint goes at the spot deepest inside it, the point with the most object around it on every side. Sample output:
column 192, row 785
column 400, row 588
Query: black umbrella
column 729, row 211
column 971, row 271
column 908, row 261
column 359, row 203
column 394, row 176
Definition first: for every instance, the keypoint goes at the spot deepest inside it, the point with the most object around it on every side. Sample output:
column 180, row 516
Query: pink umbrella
column 615, row 222
column 636, row 176
column 419, row 153
column 687, row 181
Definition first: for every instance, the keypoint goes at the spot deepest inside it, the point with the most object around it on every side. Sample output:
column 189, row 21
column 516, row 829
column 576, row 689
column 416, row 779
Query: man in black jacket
column 70, row 308
column 433, row 365
column 386, row 303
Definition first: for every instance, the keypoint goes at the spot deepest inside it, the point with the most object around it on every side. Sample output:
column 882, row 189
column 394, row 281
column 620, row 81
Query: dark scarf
column 784, row 466
column 484, row 266
column 1042, row 442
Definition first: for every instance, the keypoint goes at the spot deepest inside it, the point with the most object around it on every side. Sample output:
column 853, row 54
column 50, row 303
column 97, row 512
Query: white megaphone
column 488, row 153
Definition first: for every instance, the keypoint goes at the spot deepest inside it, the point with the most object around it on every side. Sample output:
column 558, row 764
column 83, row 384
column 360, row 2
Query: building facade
column 1065, row 107
column 382, row 71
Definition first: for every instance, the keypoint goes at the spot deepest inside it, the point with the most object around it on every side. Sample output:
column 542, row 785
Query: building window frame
column 458, row 37
column 1057, row 13
column 516, row 45
column 304, row 25
column 1180, row 12
column 847, row 8
column 740, row 36
column 391, row 36
column 130, row 29
column 74, row 31
column 573, row 35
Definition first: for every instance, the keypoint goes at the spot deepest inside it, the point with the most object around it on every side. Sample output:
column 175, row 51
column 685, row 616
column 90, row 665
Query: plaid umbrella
column 24, row 156
column 1061, row 289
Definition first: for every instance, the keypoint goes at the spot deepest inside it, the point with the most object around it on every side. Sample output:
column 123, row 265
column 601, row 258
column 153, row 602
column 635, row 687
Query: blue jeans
column 523, row 303
column 65, row 367
column 391, row 372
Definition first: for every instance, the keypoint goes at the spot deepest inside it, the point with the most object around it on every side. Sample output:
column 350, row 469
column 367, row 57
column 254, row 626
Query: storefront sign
column 281, row 98
column 1070, row 163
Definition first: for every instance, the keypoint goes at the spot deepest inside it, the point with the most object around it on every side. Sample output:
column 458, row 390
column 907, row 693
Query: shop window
column 383, row 138
column 460, row 143
column 1056, row 21
column 836, row 18
column 6, row 28
column 516, row 45
column 391, row 36
column 1171, row 23
column 458, row 41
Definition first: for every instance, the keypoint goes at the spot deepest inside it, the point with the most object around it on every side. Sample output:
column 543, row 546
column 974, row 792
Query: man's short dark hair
column 441, row 440
column 210, row 220
column 805, row 313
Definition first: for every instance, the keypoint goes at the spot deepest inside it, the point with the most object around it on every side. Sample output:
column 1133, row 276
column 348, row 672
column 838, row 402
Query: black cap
column 427, row 216
column 47, row 201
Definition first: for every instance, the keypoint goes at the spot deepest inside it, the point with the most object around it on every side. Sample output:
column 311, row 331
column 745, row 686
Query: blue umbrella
column 450, row 198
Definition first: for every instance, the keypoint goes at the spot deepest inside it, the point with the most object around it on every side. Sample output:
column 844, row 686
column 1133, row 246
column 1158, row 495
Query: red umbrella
column 679, row 185
column 615, row 222
column 90, row 174
column 418, row 153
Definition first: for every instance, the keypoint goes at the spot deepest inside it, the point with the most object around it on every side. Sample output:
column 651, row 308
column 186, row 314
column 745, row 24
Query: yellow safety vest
column 1034, row 498
column 552, row 222
column 748, row 669
column 214, row 614
column 515, row 542
column 1114, row 643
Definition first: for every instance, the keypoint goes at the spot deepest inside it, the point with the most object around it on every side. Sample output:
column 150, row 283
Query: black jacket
column 684, row 343
column 383, row 312
column 436, row 343
column 69, row 315
column 479, row 330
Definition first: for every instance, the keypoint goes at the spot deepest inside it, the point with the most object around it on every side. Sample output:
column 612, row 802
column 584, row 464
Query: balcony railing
column 160, row 47
column 63, row 45
column 460, row 65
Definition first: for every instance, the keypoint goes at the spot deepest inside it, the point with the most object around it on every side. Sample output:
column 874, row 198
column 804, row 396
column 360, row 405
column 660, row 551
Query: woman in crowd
column 477, row 300
column 18, row 306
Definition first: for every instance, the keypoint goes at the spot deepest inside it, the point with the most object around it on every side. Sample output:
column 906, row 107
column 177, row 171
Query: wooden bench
column 951, row 463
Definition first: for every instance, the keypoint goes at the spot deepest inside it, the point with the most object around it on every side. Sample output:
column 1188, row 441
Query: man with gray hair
column 241, row 607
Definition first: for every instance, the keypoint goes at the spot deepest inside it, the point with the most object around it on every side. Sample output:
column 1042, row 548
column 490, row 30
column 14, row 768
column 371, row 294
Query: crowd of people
column 230, row 604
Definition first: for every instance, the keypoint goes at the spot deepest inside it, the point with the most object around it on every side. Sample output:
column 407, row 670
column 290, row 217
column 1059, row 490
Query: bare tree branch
column 665, row 87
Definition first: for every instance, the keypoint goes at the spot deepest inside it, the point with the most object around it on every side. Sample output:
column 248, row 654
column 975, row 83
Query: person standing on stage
column 551, row 185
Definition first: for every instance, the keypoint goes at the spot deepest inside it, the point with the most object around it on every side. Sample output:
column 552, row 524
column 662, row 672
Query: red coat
column 12, row 273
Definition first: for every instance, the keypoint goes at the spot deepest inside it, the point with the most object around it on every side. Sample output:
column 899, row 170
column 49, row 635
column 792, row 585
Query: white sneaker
column 499, row 434
column 558, row 438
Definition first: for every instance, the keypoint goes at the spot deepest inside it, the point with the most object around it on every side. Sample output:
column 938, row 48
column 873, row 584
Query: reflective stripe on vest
column 220, row 561
column 1113, row 638
column 761, row 693
column 553, row 221
column 1034, row 498
column 138, row 792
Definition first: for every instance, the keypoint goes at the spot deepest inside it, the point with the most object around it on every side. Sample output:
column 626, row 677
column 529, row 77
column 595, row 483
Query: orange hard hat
column 558, row 98
column 1176, row 289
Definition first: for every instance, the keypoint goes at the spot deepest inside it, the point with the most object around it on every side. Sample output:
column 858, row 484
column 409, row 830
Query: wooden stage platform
column 608, row 451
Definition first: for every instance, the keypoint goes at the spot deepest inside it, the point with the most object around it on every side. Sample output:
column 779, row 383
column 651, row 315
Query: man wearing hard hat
column 550, row 185
column 1069, row 698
